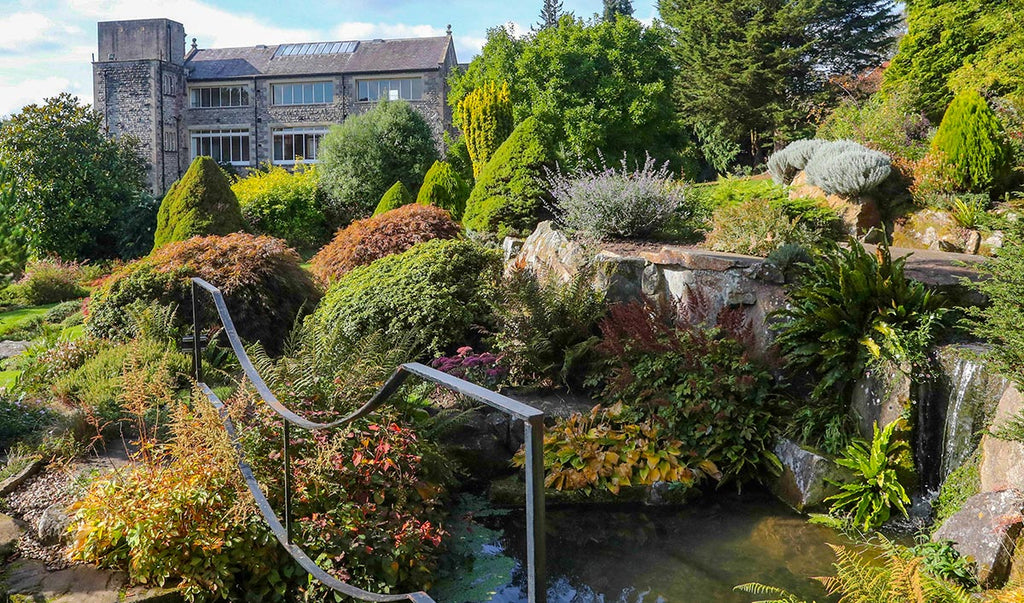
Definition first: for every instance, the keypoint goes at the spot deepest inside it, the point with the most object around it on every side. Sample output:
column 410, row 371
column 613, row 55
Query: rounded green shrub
column 397, row 196
column 283, row 204
column 262, row 281
column 971, row 141
column 511, row 192
column 436, row 290
column 201, row 203
column 363, row 156
column 444, row 188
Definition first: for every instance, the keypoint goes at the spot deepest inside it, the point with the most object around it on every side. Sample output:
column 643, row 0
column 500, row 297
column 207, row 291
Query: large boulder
column 548, row 251
column 859, row 215
column 880, row 397
column 806, row 478
column 1002, row 462
column 985, row 530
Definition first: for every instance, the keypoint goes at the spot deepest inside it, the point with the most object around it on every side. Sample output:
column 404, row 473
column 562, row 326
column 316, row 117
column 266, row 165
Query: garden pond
column 691, row 554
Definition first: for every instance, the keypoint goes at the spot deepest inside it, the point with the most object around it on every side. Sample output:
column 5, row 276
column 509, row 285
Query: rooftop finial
column 449, row 29
column 194, row 45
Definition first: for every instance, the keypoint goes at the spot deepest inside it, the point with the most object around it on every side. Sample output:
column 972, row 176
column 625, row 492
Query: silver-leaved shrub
column 618, row 202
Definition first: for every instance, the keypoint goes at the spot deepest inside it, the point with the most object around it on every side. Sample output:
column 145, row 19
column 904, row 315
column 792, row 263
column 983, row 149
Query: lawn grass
column 15, row 319
column 7, row 379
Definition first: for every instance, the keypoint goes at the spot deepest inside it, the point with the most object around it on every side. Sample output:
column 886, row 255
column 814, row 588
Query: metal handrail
column 533, row 426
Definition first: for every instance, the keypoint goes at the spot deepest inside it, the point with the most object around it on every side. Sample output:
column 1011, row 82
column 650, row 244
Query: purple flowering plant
column 484, row 369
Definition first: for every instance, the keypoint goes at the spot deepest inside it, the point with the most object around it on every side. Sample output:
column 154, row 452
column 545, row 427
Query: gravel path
column 55, row 485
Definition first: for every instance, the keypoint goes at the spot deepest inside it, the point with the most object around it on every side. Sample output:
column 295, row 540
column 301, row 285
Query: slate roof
column 370, row 56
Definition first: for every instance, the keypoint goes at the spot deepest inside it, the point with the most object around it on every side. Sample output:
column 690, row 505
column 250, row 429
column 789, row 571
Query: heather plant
column 850, row 173
column 48, row 281
column 755, row 227
column 284, row 204
column 482, row 368
column 617, row 203
column 886, row 122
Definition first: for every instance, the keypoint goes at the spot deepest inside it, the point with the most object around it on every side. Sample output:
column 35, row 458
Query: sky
column 46, row 46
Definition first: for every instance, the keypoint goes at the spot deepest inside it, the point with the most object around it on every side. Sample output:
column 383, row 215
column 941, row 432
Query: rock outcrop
column 985, row 530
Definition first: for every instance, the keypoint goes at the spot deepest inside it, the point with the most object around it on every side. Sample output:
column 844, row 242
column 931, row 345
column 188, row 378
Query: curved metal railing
column 533, row 425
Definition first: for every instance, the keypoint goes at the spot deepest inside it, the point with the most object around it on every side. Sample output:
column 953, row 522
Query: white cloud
column 24, row 31
column 214, row 27
column 358, row 30
column 14, row 96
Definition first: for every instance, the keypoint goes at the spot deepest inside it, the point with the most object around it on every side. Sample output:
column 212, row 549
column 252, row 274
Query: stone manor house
column 255, row 105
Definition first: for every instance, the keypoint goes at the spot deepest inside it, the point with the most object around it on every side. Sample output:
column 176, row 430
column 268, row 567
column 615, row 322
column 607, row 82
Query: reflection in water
column 694, row 554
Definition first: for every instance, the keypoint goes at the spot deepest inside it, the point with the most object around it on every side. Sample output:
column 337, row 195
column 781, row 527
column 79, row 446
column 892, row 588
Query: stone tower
column 139, row 90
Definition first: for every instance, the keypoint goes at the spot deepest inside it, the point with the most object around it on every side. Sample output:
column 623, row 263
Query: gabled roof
column 368, row 56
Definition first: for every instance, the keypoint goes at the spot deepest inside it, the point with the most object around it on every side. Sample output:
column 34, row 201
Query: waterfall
column 952, row 409
column 960, row 428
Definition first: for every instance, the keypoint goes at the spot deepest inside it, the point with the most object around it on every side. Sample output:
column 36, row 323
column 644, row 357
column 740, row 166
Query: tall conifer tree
column 550, row 13
column 614, row 8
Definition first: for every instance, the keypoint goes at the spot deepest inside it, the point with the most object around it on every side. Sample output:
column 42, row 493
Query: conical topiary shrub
column 201, row 203
column 509, row 196
column 395, row 197
column 970, row 139
column 444, row 188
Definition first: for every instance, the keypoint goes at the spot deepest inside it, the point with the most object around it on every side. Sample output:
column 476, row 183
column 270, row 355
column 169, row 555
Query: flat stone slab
column 79, row 584
column 984, row 530
column 9, row 349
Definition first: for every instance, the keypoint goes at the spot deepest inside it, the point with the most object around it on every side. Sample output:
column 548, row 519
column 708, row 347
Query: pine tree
column 614, row 8
column 486, row 115
column 550, row 13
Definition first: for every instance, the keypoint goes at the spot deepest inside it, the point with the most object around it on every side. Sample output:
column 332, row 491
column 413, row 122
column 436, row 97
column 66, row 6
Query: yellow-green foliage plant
column 284, row 204
column 971, row 139
column 444, row 188
column 396, row 196
column 486, row 115
column 200, row 203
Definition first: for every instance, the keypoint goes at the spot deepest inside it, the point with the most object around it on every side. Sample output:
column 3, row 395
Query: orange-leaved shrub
column 382, row 235
column 261, row 278
column 180, row 512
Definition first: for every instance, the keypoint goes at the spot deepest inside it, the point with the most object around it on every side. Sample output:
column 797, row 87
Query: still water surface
column 693, row 554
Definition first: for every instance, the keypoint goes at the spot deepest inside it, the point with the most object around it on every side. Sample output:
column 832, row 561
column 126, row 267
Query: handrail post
column 197, row 366
column 287, row 483
column 536, row 550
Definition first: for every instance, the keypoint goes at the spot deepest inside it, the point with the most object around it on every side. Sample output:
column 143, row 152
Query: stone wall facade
column 142, row 89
